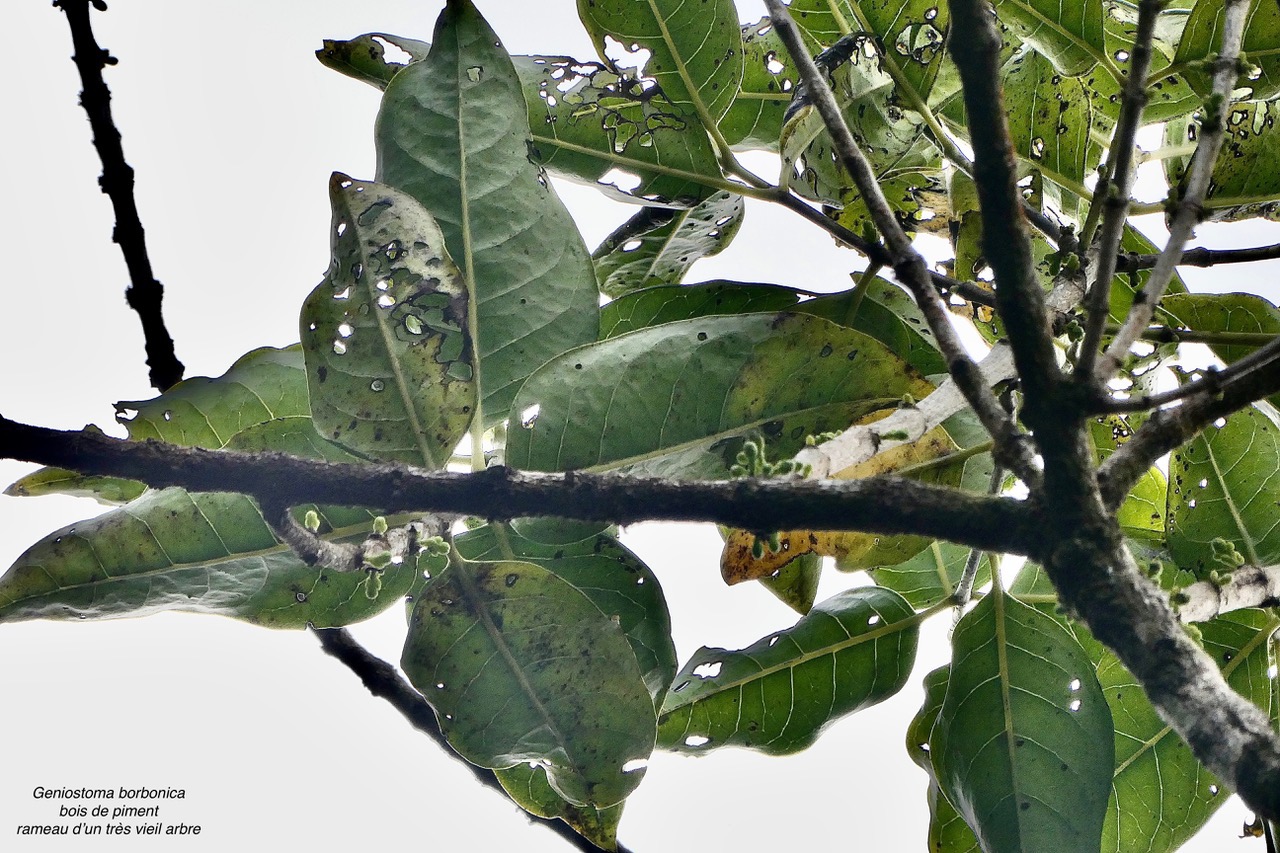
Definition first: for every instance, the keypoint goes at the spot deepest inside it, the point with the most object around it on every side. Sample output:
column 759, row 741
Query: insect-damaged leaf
column 1069, row 33
column 365, row 58
column 200, row 552
column 852, row 651
column 679, row 398
column 589, row 124
column 754, row 120
column 453, row 133
column 390, row 361
column 1023, row 744
column 1202, row 39
column 1245, row 182
column 1225, row 312
column 1214, row 495
column 521, row 666
column 657, row 245
column 695, row 49
column 603, row 570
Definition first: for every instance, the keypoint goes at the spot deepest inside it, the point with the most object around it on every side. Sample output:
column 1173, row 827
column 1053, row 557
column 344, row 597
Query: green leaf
column 852, row 651
column 1225, row 312
column 388, row 350
column 1069, row 34
column 1023, row 745
column 1202, row 40
column 754, row 120
column 1213, row 494
column 640, row 402
column 947, row 830
column 453, row 133
column 931, row 575
column 111, row 491
column 520, row 666
column 262, row 385
column 588, row 124
column 1160, row 794
column 527, row 785
column 200, row 552
column 365, row 58
column 1245, row 183
column 878, row 308
column 695, row 49
column 658, row 245
column 602, row 569
column 796, row 583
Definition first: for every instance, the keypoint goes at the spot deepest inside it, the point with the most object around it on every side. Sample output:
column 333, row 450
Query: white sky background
column 233, row 128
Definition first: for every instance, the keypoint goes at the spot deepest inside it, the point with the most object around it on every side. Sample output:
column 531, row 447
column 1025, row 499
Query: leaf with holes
column 877, row 308
column 1160, row 793
column 199, row 552
column 389, row 357
column 1202, row 39
column 366, row 58
column 1023, row 744
column 1224, row 484
column 262, row 385
column 1069, row 33
column 453, row 133
column 678, row 399
column 694, row 50
column 754, row 120
column 657, row 245
column 603, row 570
column 520, row 666
column 1245, row 183
column 527, row 785
column 947, row 829
column 850, row 652
column 1236, row 313
column 590, row 125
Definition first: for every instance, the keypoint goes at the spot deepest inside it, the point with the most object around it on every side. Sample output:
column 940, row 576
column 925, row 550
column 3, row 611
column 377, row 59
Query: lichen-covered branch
column 145, row 293
column 886, row 505
column 1248, row 586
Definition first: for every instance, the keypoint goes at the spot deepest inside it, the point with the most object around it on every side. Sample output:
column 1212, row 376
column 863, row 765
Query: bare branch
column 1115, row 191
column 384, row 681
column 145, row 293
column 1210, row 384
column 907, row 264
column 886, row 505
column 975, row 46
column 1249, row 586
column 1202, row 257
column 1195, row 184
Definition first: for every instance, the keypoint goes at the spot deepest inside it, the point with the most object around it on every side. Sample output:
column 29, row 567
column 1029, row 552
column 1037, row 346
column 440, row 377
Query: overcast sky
column 233, row 128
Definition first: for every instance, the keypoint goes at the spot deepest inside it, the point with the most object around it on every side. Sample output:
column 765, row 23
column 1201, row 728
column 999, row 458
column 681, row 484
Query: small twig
column 1210, row 384
column 145, row 294
column 964, row 589
column 1202, row 257
column 1188, row 212
column 907, row 264
column 395, row 544
column 1169, row 334
column 385, row 682
column 1114, row 191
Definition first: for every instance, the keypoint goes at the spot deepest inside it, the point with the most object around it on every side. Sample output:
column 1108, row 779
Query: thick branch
column 145, row 293
column 975, row 46
column 1195, row 185
column 384, row 681
column 885, row 505
column 1249, row 586
column 909, row 267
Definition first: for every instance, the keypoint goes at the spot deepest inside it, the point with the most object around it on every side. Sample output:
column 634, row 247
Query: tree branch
column 384, row 681
column 909, row 267
column 1202, row 257
column 1249, row 586
column 145, row 293
column 1115, row 191
column 887, row 505
column 1209, row 385
column 1194, row 187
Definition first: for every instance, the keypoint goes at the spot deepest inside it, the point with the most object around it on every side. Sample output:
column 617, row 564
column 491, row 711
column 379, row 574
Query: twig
column 1116, row 189
column 1194, row 187
column 887, row 505
column 907, row 264
column 964, row 589
column 145, row 293
column 385, row 682
column 1210, row 384
column 1202, row 257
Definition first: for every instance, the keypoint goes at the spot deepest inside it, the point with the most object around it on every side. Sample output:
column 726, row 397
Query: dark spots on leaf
column 702, row 336
column 322, row 373
column 826, row 350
